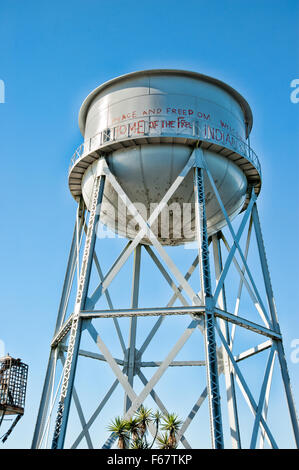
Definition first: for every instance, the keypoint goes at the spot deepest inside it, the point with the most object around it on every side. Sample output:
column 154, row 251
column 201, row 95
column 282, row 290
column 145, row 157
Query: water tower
column 166, row 161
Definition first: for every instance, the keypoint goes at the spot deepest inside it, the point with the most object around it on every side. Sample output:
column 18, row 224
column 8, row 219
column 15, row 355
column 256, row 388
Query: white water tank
column 146, row 124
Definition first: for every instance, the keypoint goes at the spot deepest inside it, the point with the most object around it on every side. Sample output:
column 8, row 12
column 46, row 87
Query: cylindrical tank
column 146, row 124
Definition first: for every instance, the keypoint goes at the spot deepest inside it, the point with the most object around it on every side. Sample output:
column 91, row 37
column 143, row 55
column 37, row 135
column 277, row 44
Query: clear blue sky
column 52, row 54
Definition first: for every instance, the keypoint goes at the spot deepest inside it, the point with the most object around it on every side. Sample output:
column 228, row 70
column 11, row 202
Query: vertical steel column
column 210, row 340
column 131, row 353
column 44, row 403
column 68, row 280
column 71, row 267
column 272, row 307
column 229, row 376
column 75, row 333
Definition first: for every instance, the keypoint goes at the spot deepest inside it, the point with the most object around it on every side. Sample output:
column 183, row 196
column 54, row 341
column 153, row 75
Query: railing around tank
column 207, row 131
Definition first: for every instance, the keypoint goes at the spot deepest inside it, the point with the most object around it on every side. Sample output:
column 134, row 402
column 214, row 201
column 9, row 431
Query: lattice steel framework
column 13, row 383
column 207, row 308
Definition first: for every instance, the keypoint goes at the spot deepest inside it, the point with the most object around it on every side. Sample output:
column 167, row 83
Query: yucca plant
column 163, row 441
column 132, row 432
column 133, row 428
column 156, row 419
column 144, row 417
column 139, row 444
column 171, row 424
column 120, row 427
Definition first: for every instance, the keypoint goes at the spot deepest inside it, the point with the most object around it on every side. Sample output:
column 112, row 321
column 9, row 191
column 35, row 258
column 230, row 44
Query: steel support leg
column 279, row 345
column 44, row 403
column 75, row 333
column 210, row 340
column 229, row 376
column 131, row 353
column 68, row 280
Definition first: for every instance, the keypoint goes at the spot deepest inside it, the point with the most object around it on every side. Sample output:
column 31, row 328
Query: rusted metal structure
column 13, row 383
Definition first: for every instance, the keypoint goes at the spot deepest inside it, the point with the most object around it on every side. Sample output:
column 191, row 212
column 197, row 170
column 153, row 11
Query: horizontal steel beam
column 93, row 355
column 142, row 312
column 63, row 331
column 240, row 357
column 244, row 323
column 172, row 364
column 192, row 310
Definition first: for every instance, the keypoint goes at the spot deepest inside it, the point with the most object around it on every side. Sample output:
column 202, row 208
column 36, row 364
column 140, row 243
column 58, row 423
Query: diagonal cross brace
column 138, row 400
column 243, row 386
column 145, row 230
column 236, row 240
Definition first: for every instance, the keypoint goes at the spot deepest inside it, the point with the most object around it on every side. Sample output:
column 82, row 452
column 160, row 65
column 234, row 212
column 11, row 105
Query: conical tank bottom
column 146, row 172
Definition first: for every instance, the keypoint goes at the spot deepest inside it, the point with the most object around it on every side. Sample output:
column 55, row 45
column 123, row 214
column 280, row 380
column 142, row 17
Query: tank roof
column 239, row 98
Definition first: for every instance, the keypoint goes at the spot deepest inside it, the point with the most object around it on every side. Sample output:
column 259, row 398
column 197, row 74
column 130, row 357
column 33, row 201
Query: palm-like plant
column 139, row 444
column 163, row 441
column 133, row 428
column 143, row 416
column 132, row 432
column 156, row 419
column 120, row 427
column 172, row 425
